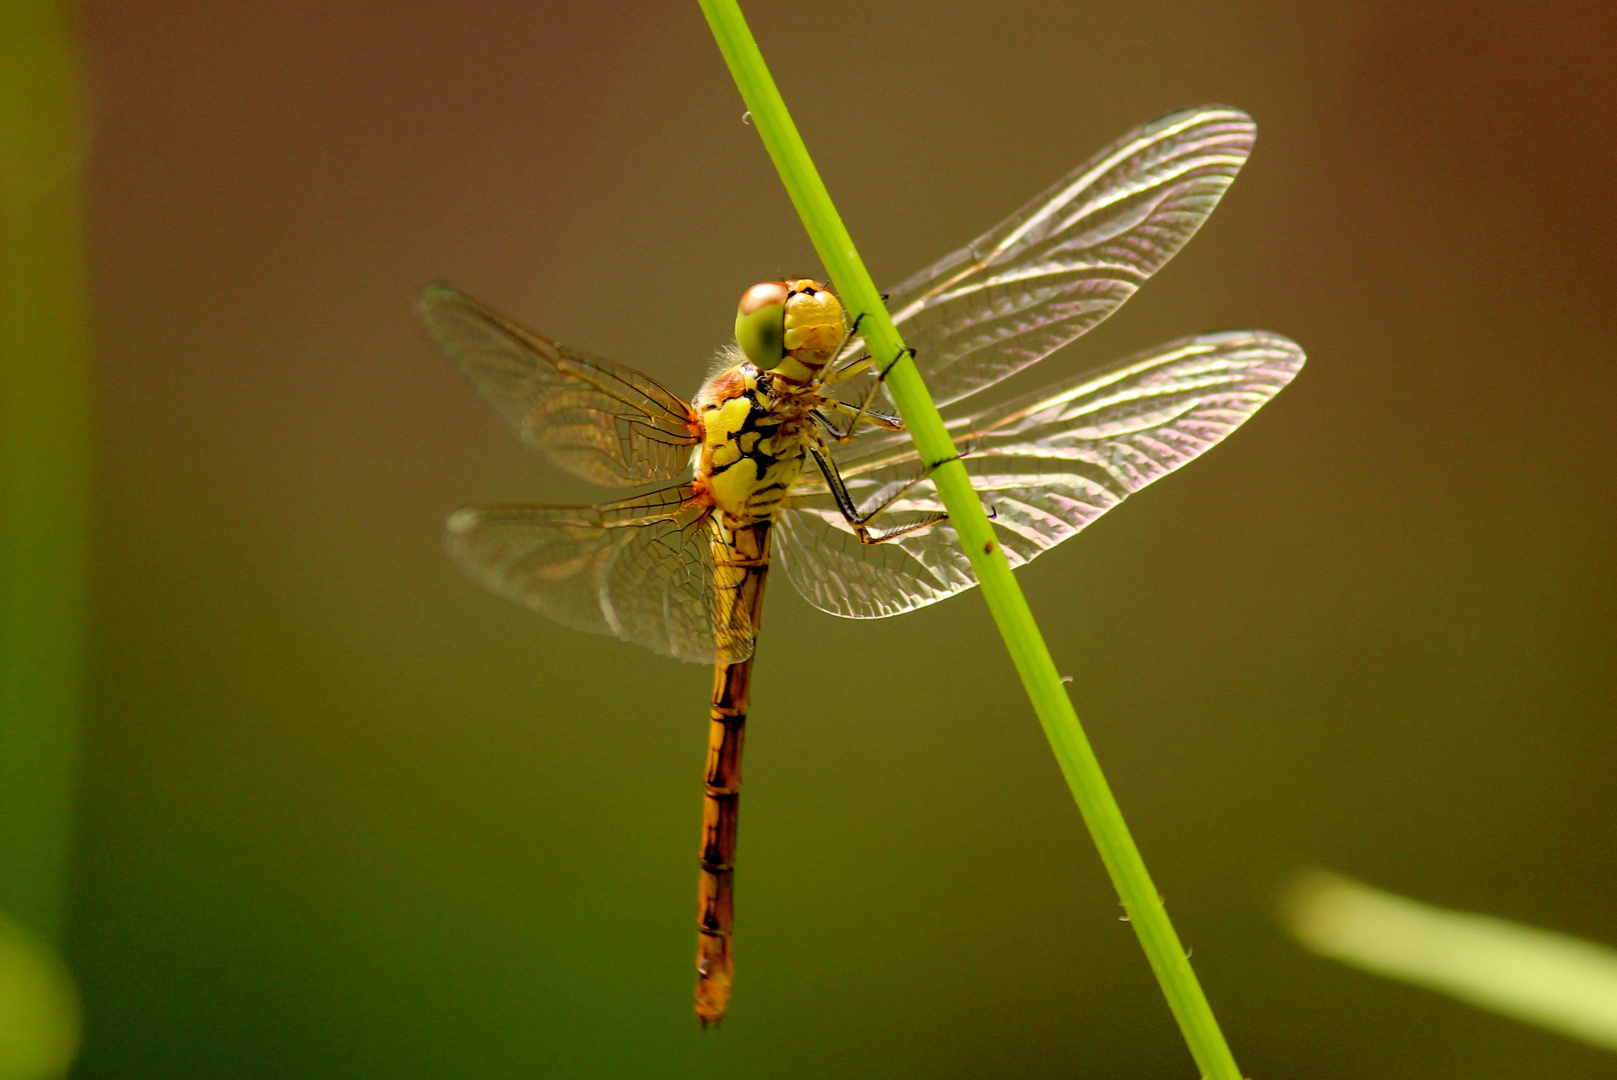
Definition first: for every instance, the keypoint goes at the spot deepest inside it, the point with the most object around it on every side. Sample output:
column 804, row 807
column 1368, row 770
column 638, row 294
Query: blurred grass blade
column 39, row 1009
column 1558, row 982
column 44, row 452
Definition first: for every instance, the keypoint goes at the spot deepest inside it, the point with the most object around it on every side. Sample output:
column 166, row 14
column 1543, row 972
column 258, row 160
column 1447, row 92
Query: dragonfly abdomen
column 740, row 567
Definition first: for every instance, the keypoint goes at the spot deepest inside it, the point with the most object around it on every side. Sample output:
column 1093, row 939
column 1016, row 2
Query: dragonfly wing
column 837, row 573
column 598, row 420
column 1046, row 465
column 640, row 569
column 1070, row 257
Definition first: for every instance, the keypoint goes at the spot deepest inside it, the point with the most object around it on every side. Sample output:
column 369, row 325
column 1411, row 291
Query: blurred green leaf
column 39, row 1008
column 1541, row 977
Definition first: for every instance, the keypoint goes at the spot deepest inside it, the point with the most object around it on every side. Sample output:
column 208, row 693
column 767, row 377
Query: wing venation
column 1069, row 258
column 640, row 570
column 1045, row 465
column 600, row 421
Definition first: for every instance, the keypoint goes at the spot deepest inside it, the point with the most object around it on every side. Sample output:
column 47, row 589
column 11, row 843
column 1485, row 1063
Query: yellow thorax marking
column 752, row 447
column 721, row 425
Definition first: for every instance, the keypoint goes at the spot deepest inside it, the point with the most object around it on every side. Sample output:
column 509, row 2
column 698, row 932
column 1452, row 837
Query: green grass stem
column 1561, row 983
column 45, row 446
column 1005, row 600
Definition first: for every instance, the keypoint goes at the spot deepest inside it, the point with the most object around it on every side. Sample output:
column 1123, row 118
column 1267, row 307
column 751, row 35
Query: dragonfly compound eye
column 761, row 323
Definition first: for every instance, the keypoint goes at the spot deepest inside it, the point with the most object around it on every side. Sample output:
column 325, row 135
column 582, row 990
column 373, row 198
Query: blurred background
column 342, row 814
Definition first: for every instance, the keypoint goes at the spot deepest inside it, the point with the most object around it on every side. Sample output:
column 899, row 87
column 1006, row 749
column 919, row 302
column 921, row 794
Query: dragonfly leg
column 848, row 335
column 863, row 410
column 857, row 319
column 860, row 522
column 882, row 420
column 849, row 370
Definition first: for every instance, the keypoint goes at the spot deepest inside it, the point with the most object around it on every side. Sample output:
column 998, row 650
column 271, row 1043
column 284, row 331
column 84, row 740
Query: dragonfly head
column 791, row 327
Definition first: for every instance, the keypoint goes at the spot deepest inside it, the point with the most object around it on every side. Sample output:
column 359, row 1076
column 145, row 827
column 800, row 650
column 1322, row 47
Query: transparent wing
column 1070, row 257
column 1046, row 465
column 640, row 570
column 598, row 420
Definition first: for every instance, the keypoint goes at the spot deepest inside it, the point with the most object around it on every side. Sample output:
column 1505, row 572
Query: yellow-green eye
column 761, row 323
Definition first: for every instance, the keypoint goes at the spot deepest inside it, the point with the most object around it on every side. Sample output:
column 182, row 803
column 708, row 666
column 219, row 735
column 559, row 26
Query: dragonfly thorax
column 753, row 441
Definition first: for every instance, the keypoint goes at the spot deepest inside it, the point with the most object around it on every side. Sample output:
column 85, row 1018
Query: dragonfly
column 784, row 458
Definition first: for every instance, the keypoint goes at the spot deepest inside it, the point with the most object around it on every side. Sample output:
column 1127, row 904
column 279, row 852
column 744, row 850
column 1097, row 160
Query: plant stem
column 1005, row 600
column 44, row 453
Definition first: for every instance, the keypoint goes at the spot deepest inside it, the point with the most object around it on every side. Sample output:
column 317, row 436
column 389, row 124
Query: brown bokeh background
column 344, row 815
